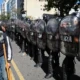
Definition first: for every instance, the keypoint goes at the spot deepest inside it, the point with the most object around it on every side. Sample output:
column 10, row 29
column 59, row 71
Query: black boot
column 55, row 60
column 32, row 52
column 29, row 50
column 23, row 48
column 39, row 58
column 50, row 69
column 68, row 67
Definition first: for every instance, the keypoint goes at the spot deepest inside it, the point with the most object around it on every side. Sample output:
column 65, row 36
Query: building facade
column 4, row 7
column 35, row 8
column 13, row 7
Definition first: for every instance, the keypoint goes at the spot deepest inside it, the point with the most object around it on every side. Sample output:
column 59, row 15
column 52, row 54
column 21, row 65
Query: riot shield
column 10, row 26
column 41, row 36
column 70, row 35
column 33, row 35
column 21, row 27
column 52, row 31
column 28, row 31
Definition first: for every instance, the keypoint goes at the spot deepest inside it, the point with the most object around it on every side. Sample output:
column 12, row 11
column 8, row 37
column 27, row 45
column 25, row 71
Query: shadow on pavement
column 57, row 73
column 75, row 77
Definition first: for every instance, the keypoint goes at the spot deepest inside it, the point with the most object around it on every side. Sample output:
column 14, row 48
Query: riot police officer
column 53, row 44
column 33, row 39
column 69, row 35
column 41, row 40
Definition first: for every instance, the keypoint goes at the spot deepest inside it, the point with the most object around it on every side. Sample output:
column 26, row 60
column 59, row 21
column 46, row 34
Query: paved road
column 23, row 68
column 26, row 66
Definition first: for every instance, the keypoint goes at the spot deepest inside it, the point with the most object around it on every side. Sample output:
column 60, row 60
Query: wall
column 35, row 8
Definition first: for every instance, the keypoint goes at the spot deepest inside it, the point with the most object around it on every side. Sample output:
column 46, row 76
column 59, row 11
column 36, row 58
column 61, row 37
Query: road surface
column 23, row 68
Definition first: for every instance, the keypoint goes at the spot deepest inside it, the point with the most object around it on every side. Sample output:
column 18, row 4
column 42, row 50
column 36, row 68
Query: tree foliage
column 63, row 6
column 5, row 17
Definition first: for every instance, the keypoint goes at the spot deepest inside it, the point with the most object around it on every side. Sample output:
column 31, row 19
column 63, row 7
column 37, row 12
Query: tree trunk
column 61, row 12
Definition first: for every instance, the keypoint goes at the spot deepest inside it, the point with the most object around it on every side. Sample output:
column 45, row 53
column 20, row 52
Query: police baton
column 8, row 70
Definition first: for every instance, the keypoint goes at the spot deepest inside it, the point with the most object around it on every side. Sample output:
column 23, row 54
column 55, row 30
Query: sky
column 1, row 3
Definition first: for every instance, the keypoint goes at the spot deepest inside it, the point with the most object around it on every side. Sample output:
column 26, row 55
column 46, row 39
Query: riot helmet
column 40, row 25
column 52, row 26
column 20, row 27
column 52, row 31
column 70, row 25
column 47, row 17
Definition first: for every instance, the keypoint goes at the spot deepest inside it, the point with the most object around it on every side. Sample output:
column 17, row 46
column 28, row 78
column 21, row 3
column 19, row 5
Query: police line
column 53, row 34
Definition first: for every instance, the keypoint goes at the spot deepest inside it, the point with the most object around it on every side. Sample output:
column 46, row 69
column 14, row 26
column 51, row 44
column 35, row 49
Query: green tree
column 8, row 16
column 64, row 6
column 5, row 17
